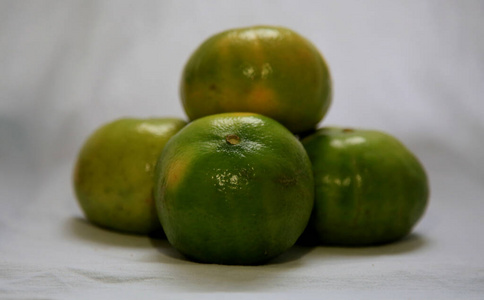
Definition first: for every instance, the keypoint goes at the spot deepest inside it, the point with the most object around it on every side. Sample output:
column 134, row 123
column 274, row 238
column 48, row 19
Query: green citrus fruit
column 263, row 69
column 113, row 176
column 370, row 189
column 234, row 188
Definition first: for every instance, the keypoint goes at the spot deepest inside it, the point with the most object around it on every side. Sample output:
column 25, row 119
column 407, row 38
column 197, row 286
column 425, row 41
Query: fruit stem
column 232, row 139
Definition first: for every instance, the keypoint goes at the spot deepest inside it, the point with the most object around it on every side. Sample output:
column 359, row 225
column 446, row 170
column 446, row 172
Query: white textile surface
column 414, row 69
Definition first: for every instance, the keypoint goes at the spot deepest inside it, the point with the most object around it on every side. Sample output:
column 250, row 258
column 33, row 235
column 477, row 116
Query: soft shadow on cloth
column 291, row 255
column 166, row 266
column 82, row 229
column 412, row 242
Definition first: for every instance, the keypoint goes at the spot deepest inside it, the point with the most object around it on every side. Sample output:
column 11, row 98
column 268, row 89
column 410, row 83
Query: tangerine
column 113, row 176
column 370, row 188
column 234, row 188
column 268, row 70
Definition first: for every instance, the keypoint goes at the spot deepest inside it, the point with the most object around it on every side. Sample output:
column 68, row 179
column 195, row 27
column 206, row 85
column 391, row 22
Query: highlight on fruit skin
column 270, row 70
column 369, row 188
column 233, row 188
column 113, row 174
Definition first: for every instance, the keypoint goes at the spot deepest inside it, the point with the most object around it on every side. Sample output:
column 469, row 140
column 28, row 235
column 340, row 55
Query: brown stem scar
column 232, row 139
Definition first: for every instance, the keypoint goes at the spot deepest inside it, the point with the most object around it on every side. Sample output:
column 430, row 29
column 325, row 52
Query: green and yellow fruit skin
column 370, row 189
column 234, row 188
column 113, row 175
column 268, row 70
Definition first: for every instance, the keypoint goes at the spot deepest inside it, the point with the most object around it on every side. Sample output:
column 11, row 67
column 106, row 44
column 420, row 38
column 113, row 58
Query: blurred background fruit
column 269, row 70
column 113, row 176
column 370, row 189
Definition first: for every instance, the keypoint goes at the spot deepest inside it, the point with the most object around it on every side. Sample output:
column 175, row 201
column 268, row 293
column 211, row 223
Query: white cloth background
column 414, row 69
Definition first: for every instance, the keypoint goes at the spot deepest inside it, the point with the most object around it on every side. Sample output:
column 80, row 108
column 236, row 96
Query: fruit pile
column 250, row 174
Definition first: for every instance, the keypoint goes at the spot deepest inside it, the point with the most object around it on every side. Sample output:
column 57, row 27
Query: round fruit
column 113, row 177
column 234, row 188
column 263, row 69
column 370, row 189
